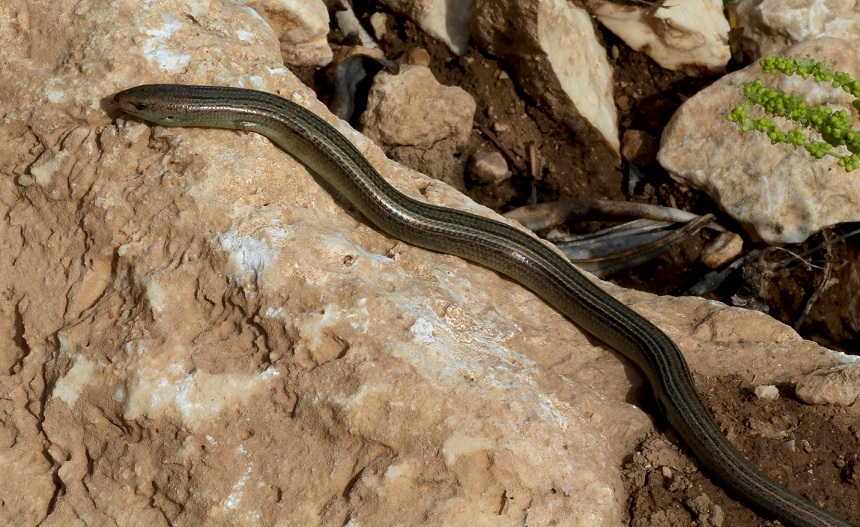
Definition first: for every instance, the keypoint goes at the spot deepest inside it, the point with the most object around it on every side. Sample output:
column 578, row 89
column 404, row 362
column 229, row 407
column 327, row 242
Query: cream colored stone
column 552, row 46
column 781, row 195
column 379, row 21
column 349, row 24
column 413, row 109
column 689, row 35
column 489, row 167
column 721, row 250
column 446, row 20
column 301, row 27
column 772, row 25
column 839, row 385
column 766, row 392
column 260, row 354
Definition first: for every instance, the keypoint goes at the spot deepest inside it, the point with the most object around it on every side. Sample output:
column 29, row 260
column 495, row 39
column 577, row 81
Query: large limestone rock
column 195, row 332
column 217, row 340
column 771, row 25
column 301, row 27
column 558, row 60
column 689, row 36
column 779, row 194
column 446, row 20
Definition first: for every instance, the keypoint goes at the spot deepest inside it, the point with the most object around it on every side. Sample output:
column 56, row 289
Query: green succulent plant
column 834, row 126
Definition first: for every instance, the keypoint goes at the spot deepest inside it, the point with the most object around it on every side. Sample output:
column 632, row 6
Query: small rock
column 839, row 385
column 379, row 21
column 413, row 109
column 417, row 56
column 639, row 147
column 489, row 167
column 500, row 127
column 767, row 392
column 722, row 249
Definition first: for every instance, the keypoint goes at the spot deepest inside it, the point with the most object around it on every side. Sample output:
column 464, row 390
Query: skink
column 494, row 244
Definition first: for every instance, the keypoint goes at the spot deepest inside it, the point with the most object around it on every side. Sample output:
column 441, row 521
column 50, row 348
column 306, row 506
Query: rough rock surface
column 771, row 25
column 446, row 20
column 195, row 332
column 552, row 46
column 839, row 385
column 421, row 122
column 301, row 26
column 490, row 168
column 689, row 36
column 779, row 194
column 413, row 109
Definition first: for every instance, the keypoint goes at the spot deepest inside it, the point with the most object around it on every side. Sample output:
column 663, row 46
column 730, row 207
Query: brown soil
column 825, row 467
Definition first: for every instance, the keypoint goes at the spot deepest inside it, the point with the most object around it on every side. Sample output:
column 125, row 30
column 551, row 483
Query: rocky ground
column 198, row 332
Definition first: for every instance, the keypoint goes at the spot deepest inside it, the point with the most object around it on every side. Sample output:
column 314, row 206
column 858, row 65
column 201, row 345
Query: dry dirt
column 825, row 467
column 827, row 470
